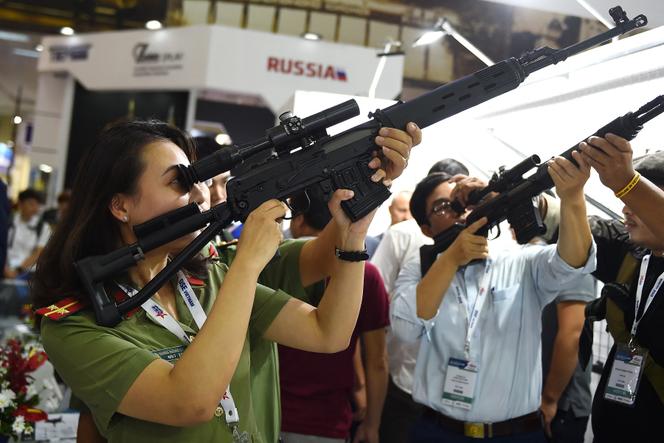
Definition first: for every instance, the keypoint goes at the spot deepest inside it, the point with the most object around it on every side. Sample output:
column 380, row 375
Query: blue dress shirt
column 506, row 343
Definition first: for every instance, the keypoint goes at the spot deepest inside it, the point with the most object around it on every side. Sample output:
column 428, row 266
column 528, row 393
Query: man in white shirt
column 27, row 235
column 478, row 370
column 398, row 242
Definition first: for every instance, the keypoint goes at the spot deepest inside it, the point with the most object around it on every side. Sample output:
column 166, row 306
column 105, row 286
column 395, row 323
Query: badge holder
column 460, row 381
column 626, row 372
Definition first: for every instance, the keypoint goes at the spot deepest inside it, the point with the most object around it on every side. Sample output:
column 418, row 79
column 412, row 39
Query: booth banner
column 219, row 58
column 130, row 60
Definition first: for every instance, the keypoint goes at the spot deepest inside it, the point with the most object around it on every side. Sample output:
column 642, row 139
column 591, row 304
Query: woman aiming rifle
column 196, row 378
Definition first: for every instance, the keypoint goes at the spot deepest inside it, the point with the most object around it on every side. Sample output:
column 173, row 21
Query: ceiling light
column 66, row 30
column 17, row 119
column 153, row 25
column 14, row 37
column 429, row 37
column 311, row 36
column 39, row 48
column 223, row 139
column 442, row 28
column 45, row 168
column 26, row 53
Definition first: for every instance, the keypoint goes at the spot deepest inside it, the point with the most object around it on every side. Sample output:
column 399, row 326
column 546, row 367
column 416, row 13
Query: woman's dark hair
column 113, row 165
column 418, row 201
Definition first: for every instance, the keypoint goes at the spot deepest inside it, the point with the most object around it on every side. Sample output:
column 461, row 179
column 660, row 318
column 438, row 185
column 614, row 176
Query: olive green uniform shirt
column 100, row 364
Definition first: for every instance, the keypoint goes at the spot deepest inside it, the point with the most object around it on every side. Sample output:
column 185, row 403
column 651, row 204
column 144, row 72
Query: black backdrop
column 94, row 109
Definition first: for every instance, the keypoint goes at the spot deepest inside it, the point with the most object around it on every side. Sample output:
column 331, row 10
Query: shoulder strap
column 627, row 269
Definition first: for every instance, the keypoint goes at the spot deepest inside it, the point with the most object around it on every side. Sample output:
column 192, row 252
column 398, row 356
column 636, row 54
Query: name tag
column 460, row 380
column 171, row 355
column 625, row 374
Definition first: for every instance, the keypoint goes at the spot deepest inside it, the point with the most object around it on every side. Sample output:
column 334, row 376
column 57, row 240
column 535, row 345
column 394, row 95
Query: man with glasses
column 478, row 315
column 400, row 412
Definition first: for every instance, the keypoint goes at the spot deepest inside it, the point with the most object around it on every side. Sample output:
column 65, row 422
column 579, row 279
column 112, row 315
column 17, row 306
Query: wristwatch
column 351, row 255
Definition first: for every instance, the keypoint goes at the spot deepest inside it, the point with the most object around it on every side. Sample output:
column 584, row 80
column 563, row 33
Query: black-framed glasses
column 443, row 207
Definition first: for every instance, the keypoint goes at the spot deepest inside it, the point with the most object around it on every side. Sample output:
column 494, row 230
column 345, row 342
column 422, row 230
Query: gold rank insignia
column 63, row 308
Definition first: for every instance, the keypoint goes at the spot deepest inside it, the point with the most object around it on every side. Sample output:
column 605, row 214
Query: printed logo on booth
column 301, row 68
column 151, row 63
column 74, row 53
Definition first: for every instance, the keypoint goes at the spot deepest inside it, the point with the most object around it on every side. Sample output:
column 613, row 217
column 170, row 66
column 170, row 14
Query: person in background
column 206, row 146
column 401, row 240
column 566, row 396
column 53, row 215
column 399, row 212
column 399, row 208
column 27, row 235
column 478, row 314
column 317, row 389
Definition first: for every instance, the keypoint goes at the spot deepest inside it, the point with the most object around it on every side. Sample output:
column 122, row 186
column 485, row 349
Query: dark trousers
column 568, row 428
column 400, row 412
column 428, row 431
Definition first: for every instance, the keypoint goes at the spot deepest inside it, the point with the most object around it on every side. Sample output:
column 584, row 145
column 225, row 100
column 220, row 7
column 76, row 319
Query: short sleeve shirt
column 24, row 238
column 316, row 388
column 100, row 364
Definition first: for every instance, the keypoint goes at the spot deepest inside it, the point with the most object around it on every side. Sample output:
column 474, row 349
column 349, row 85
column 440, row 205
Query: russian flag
column 341, row 75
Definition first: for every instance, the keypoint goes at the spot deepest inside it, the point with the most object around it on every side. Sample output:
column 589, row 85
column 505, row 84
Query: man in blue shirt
column 479, row 371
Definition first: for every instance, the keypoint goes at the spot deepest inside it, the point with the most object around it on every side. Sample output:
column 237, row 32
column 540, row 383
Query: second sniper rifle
column 305, row 158
column 515, row 200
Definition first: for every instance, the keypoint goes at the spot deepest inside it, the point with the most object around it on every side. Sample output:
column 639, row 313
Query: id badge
column 625, row 374
column 460, row 381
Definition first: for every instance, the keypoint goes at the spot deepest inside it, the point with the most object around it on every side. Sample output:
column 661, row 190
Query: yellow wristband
column 629, row 186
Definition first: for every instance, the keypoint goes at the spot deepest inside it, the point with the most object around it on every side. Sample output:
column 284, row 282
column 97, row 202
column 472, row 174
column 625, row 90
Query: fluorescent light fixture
column 442, row 28
column 18, row 119
column 14, row 37
column 392, row 47
column 153, row 25
column 429, row 37
column 311, row 36
column 39, row 48
column 223, row 139
column 26, row 53
column 66, row 30
column 46, row 169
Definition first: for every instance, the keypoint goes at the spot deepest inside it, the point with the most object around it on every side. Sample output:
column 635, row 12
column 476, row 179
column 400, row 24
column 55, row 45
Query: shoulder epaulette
column 63, row 308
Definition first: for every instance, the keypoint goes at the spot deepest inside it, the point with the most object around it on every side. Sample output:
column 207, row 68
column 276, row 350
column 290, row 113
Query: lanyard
column 639, row 293
column 473, row 317
column 159, row 315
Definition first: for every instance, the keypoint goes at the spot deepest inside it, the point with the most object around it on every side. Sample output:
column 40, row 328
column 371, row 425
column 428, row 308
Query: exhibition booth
column 239, row 79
